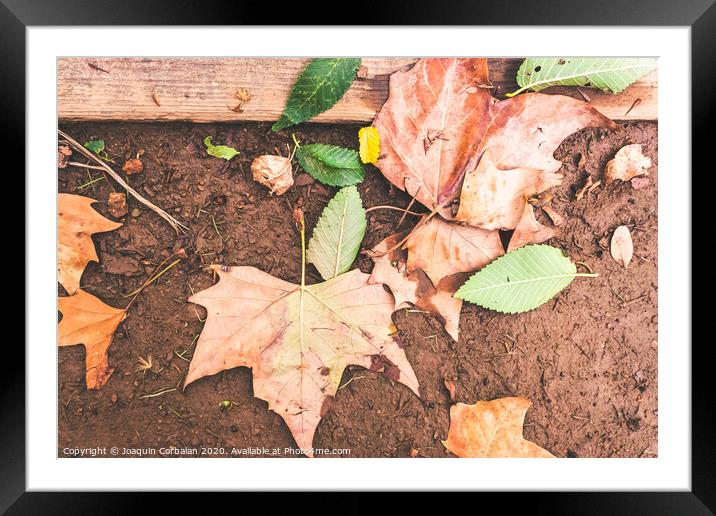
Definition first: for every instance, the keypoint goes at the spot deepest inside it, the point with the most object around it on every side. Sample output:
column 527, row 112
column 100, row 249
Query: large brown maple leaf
column 297, row 340
column 439, row 120
column 76, row 223
column 414, row 287
column 442, row 248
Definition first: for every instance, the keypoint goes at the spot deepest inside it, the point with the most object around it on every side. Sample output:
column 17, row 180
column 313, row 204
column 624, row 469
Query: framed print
column 451, row 257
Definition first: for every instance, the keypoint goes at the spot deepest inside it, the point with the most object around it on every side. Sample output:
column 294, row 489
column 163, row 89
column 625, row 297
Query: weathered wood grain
column 205, row 89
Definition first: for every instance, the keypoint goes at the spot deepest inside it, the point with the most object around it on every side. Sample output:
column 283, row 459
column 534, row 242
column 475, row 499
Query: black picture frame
column 700, row 15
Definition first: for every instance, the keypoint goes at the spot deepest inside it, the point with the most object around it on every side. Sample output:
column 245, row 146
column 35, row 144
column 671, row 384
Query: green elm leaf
column 321, row 84
column 219, row 151
column 521, row 280
column 604, row 73
column 331, row 164
column 337, row 236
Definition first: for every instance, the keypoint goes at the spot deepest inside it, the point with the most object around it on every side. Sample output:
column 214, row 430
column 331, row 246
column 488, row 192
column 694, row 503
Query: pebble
column 135, row 212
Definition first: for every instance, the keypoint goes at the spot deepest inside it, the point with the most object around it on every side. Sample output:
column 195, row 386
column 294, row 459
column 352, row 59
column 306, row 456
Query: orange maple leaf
column 491, row 429
column 87, row 320
column 76, row 223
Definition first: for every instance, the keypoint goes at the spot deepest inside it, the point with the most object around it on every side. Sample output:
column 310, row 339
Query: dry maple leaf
column 274, row 172
column 440, row 118
column 493, row 198
column 297, row 339
column 491, row 429
column 529, row 231
column 415, row 287
column 87, row 320
column 76, row 223
column 629, row 162
column 622, row 248
column 443, row 248
column 430, row 127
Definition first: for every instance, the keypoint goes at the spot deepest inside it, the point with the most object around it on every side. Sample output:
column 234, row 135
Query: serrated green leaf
column 219, row 151
column 521, row 280
column 607, row 74
column 338, row 234
column 330, row 164
column 95, row 146
column 321, row 84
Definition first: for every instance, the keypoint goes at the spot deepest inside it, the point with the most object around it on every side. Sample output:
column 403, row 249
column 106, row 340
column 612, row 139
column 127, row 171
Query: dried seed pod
column 274, row 172
column 629, row 162
column 622, row 248
column 63, row 156
column 133, row 166
column 117, row 204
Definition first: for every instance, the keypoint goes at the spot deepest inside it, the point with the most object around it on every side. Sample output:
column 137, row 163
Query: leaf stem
column 300, row 222
column 586, row 275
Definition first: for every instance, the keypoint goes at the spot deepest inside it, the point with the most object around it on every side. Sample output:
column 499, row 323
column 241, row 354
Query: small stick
column 406, row 209
column 171, row 220
column 82, row 165
column 386, row 207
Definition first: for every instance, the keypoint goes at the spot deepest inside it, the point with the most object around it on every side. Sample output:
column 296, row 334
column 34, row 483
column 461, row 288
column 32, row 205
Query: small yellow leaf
column 369, row 144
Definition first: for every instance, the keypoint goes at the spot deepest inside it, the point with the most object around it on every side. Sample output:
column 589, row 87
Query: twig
column 82, row 165
column 171, row 220
column 386, row 207
column 407, row 208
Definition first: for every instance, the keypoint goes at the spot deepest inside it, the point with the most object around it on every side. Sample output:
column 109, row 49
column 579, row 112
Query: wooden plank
column 204, row 89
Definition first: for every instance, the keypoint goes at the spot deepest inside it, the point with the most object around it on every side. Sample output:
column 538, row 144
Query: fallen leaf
column 95, row 146
column 297, row 340
column 622, row 248
column 219, row 151
column 415, row 288
column 63, row 156
column 521, row 280
column 430, row 127
column 607, row 74
column 76, row 223
column 274, row 172
column 338, row 233
column 117, row 204
column 321, row 84
column 369, row 140
column 133, row 166
column 442, row 248
column 331, row 164
column 555, row 217
column 87, row 320
column 440, row 118
column 529, row 231
column 628, row 162
column 492, row 198
column 491, row 429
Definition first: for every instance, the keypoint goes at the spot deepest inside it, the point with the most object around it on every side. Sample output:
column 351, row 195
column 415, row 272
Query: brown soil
column 587, row 359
